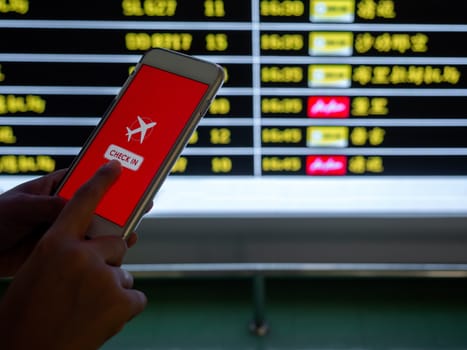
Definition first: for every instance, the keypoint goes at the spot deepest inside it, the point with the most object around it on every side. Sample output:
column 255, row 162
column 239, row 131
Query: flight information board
column 314, row 87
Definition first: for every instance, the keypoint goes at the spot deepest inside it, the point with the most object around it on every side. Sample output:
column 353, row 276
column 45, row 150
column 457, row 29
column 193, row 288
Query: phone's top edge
column 189, row 66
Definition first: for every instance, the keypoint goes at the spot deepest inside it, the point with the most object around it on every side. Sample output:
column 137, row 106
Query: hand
column 26, row 212
column 71, row 292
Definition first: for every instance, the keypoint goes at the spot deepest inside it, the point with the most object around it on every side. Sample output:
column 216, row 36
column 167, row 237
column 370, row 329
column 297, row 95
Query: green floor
column 302, row 314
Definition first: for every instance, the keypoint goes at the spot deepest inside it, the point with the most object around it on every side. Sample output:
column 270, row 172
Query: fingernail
column 143, row 298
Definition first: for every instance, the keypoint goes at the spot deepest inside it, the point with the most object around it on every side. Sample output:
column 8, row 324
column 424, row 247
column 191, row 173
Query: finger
column 111, row 248
column 131, row 240
column 125, row 278
column 45, row 185
column 29, row 215
column 137, row 301
column 34, row 209
column 76, row 216
column 45, row 208
column 148, row 207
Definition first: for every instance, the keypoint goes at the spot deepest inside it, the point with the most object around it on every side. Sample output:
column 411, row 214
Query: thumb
column 76, row 216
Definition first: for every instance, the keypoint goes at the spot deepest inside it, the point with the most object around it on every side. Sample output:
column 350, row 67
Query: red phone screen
column 140, row 132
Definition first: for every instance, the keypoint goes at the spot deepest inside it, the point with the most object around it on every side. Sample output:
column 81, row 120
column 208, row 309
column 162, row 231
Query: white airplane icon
column 143, row 128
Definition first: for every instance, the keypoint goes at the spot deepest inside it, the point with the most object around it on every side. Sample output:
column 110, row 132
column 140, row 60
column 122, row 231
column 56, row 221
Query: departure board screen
column 329, row 106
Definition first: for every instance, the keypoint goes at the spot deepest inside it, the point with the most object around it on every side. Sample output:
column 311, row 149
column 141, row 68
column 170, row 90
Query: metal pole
column 259, row 325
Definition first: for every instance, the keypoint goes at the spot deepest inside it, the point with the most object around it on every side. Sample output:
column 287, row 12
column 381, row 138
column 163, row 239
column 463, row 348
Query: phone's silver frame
column 176, row 63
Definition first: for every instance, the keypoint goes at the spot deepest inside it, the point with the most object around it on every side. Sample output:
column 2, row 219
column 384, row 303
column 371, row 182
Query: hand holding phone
column 70, row 283
column 145, row 129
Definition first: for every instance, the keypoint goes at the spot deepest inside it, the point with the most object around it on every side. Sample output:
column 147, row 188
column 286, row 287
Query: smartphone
column 145, row 129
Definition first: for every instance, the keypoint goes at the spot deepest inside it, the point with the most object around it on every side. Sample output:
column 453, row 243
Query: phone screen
column 140, row 132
